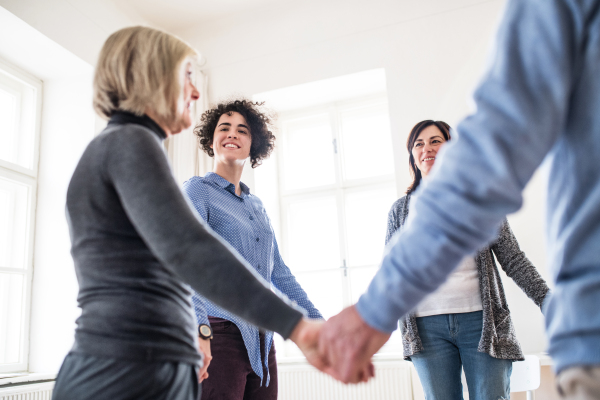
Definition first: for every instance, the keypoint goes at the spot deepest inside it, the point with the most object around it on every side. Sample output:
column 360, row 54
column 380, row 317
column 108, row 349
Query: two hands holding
column 341, row 347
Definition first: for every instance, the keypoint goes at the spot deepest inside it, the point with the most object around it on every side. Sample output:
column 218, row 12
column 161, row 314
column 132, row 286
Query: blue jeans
column 450, row 342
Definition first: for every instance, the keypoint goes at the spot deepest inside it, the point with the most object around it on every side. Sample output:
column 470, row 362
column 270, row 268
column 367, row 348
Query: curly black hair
column 263, row 140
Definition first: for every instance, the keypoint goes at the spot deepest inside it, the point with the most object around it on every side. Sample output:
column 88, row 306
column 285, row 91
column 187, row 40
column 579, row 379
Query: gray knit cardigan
column 498, row 337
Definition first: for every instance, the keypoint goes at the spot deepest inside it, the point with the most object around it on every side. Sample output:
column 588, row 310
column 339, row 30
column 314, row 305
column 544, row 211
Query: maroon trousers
column 230, row 375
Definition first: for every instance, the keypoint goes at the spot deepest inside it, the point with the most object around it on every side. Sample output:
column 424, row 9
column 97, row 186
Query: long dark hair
column 412, row 138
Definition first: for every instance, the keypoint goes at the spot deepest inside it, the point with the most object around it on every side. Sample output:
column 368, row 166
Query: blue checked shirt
column 243, row 222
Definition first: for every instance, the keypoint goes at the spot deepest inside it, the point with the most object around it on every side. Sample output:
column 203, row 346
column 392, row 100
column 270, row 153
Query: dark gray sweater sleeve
column 517, row 266
column 138, row 169
column 395, row 218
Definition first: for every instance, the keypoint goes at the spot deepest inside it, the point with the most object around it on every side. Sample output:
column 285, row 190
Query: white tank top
column 459, row 294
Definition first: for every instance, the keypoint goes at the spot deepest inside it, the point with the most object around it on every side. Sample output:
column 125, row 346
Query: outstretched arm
column 518, row 267
column 284, row 281
column 478, row 179
column 139, row 171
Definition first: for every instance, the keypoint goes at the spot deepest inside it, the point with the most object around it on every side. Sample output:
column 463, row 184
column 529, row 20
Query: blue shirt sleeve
column 478, row 179
column 199, row 198
column 284, row 281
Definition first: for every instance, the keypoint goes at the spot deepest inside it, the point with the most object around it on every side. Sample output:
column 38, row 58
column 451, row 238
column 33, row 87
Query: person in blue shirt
column 243, row 362
column 540, row 99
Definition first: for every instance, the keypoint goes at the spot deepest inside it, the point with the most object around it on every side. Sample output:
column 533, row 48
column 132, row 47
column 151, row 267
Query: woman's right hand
column 204, row 347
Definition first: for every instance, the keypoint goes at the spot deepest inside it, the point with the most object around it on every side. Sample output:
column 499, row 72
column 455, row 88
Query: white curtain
column 183, row 152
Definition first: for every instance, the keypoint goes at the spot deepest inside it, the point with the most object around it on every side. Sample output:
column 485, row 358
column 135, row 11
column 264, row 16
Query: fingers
column 342, row 347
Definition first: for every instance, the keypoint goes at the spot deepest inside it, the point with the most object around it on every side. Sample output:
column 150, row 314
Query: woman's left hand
column 204, row 347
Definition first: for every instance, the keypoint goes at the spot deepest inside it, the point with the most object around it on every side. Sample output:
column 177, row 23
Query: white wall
column 433, row 52
column 79, row 26
column 68, row 124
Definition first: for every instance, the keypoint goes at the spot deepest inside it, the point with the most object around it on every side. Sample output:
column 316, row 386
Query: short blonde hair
column 138, row 68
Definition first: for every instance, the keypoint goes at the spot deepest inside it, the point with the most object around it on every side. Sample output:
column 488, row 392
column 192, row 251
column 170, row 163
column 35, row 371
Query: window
column 20, row 100
column 336, row 186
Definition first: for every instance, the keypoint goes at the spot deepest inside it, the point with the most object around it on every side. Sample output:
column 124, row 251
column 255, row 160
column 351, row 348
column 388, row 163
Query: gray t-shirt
column 137, row 244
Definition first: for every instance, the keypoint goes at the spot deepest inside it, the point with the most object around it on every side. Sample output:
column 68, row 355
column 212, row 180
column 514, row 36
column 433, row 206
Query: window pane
column 308, row 153
column 17, row 121
column 366, row 142
column 324, row 289
column 11, row 309
column 360, row 278
column 394, row 344
column 8, row 124
column 366, row 219
column 14, row 202
column 313, row 234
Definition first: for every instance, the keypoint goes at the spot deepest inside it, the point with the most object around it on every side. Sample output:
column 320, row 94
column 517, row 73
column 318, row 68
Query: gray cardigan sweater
column 498, row 337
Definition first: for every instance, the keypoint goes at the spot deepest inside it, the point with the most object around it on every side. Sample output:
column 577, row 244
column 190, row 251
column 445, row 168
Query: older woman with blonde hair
column 137, row 244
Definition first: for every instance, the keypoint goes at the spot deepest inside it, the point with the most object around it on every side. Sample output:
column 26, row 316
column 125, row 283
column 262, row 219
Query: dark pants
column 230, row 375
column 84, row 377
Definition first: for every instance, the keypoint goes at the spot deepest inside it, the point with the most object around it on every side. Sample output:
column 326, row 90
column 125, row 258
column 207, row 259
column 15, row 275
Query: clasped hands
column 341, row 347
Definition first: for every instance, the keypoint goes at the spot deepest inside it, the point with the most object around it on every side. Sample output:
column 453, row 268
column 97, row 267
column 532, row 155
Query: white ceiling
column 178, row 15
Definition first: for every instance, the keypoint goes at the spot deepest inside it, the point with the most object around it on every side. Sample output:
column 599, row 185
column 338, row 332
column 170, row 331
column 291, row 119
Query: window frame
column 29, row 177
column 340, row 188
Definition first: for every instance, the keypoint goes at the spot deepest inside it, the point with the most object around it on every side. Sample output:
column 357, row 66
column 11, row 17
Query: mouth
column 428, row 159
column 231, row 146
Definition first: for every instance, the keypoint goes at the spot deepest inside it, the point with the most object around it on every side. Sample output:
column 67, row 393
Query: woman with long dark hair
column 466, row 323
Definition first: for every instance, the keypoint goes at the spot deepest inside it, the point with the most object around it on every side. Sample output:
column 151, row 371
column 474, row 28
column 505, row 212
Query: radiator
column 302, row 382
column 296, row 382
column 34, row 391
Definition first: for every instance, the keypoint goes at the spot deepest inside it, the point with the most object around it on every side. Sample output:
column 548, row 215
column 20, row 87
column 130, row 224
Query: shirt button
column 251, row 218
column 257, row 239
column 258, row 267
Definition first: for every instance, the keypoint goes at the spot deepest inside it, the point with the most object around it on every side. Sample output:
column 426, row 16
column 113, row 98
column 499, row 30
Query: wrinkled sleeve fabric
column 139, row 171
column 517, row 266
column 284, row 281
column 521, row 107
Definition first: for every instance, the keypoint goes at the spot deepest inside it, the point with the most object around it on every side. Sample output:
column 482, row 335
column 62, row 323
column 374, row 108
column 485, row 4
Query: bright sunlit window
column 335, row 180
column 20, row 105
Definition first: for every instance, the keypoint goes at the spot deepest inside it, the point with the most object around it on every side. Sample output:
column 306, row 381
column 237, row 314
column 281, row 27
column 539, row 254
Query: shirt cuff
column 202, row 320
column 377, row 313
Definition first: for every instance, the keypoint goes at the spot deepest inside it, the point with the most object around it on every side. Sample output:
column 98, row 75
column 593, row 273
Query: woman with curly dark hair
column 243, row 362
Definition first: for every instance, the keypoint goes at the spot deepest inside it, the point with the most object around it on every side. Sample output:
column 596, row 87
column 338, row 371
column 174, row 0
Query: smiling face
column 426, row 147
column 232, row 139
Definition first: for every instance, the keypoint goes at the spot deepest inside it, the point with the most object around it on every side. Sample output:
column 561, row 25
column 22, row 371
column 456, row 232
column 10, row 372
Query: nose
column 195, row 93
column 427, row 148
